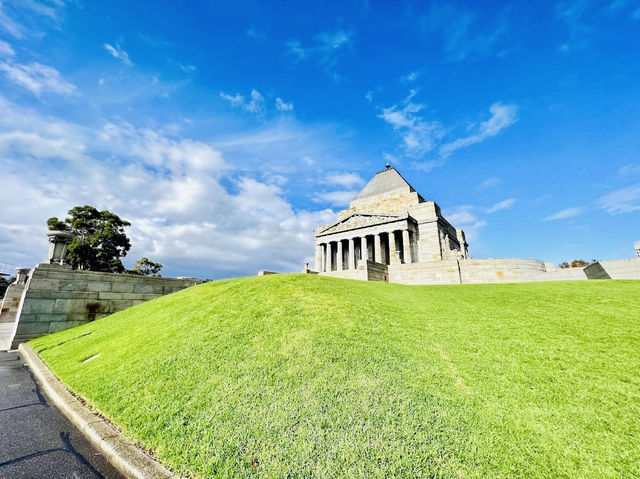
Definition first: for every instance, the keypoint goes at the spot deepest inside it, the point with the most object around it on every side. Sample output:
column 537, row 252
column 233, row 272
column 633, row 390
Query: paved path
column 6, row 335
column 36, row 440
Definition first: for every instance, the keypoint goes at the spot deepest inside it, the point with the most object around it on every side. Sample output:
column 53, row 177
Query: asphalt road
column 36, row 440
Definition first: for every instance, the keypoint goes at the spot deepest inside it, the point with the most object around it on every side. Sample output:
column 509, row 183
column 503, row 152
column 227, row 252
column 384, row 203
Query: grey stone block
column 30, row 330
column 38, row 305
column 44, row 284
column 69, row 305
column 106, row 295
column 142, row 288
column 51, row 317
column 99, row 286
column 122, row 287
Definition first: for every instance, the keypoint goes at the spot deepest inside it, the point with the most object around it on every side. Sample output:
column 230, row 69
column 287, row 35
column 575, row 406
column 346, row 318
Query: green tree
column 4, row 284
column 100, row 240
column 146, row 267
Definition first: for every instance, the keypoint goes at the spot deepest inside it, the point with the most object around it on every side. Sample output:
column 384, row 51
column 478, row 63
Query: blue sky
column 227, row 132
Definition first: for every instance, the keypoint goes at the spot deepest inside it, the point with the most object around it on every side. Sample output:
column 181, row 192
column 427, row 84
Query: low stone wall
column 471, row 271
column 58, row 297
column 433, row 272
column 565, row 274
column 501, row 270
column 359, row 273
column 371, row 271
column 628, row 268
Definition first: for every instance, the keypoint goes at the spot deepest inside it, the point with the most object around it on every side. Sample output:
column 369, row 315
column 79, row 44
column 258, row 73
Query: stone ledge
column 124, row 456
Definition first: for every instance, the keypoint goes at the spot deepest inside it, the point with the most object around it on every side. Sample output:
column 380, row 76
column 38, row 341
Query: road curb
column 124, row 456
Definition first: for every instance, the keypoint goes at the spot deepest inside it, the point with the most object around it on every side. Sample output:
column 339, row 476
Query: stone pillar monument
column 58, row 244
column 21, row 275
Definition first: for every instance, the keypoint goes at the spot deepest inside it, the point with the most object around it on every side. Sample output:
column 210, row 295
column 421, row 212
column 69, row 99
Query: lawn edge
column 122, row 454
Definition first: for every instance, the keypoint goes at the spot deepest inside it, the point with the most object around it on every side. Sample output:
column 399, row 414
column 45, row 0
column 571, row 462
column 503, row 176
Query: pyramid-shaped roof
column 383, row 182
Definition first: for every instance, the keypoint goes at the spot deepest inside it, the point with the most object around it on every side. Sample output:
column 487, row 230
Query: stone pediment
column 358, row 221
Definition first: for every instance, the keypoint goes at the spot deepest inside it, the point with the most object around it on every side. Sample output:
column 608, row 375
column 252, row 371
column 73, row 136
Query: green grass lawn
column 321, row 377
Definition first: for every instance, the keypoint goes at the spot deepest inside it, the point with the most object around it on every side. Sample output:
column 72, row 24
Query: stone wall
column 434, row 272
column 377, row 271
column 628, row 268
column 371, row 271
column 58, row 297
column 470, row 271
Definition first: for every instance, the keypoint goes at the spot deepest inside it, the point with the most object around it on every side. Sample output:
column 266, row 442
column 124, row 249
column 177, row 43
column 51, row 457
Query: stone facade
column 56, row 297
column 389, row 223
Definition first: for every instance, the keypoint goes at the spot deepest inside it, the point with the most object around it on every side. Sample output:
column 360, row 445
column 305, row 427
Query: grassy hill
column 320, row 377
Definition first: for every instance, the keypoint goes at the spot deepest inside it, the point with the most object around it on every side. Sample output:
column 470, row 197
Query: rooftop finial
column 387, row 166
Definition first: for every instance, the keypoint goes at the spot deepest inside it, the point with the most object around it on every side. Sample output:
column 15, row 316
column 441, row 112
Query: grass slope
column 321, row 377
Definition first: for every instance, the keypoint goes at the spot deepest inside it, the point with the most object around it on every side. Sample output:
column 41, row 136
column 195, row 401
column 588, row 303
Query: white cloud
column 187, row 68
column 419, row 136
column 629, row 170
column 566, row 213
column 624, row 200
column 234, row 100
column 335, row 198
column 369, row 96
column 490, row 182
column 325, row 49
column 5, row 49
column 410, row 77
column 334, row 40
column 282, row 106
column 189, row 208
column 502, row 116
column 346, row 180
column 117, row 52
column 37, row 78
column 9, row 26
column 464, row 217
column 255, row 104
column 502, row 205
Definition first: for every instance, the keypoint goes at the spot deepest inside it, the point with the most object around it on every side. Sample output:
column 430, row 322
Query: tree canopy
column 146, row 267
column 100, row 239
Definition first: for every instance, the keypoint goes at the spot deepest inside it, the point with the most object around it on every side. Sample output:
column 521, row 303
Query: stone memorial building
column 391, row 233
column 388, row 222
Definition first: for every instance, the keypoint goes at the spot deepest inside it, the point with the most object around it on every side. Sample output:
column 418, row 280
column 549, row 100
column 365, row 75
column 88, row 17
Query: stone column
column 318, row 257
column 406, row 243
column 323, row 258
column 339, row 256
column 327, row 265
column 394, row 249
column 364, row 251
column 377, row 248
column 352, row 254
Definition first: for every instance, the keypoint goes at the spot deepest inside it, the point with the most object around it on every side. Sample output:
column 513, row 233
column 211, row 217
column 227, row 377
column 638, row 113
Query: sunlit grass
column 308, row 376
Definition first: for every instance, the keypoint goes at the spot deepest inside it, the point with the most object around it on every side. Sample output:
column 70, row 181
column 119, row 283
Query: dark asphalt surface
column 36, row 440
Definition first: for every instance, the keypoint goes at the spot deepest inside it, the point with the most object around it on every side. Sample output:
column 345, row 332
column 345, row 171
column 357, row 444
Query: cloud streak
column 325, row 49
column 566, row 213
column 418, row 135
column 624, row 200
column 37, row 78
column 117, row 52
column 502, row 116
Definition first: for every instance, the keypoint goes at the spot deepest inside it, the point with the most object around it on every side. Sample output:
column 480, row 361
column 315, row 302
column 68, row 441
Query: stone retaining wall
column 58, row 297
column 628, row 268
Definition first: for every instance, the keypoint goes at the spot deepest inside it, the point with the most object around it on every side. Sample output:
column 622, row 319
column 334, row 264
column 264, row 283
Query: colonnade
column 392, row 247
